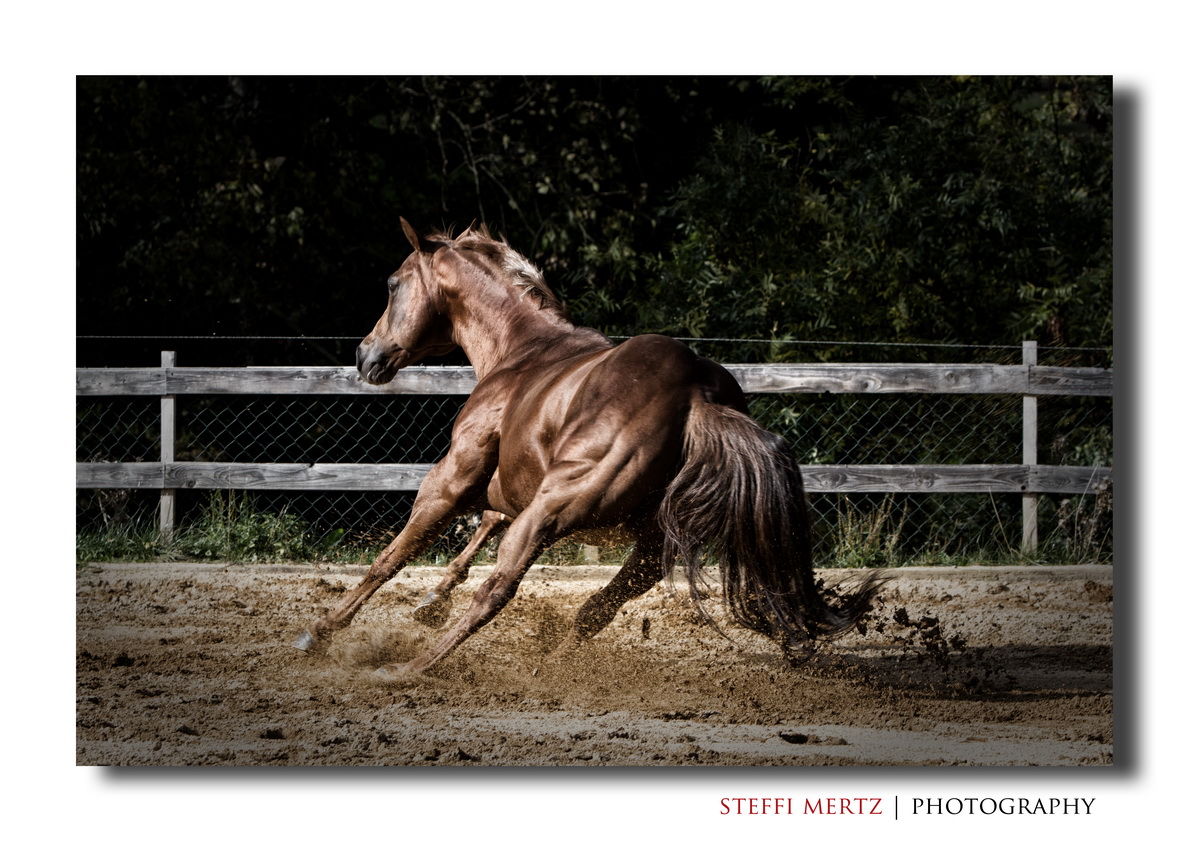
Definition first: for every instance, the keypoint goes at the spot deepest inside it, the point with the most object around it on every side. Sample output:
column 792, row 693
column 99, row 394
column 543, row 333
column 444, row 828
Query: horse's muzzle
column 375, row 366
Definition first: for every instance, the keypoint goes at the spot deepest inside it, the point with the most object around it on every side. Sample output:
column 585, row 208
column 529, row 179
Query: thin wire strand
column 679, row 338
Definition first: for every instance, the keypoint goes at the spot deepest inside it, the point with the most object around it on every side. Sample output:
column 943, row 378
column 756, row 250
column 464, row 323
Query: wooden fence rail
column 280, row 476
column 1028, row 380
column 819, row 378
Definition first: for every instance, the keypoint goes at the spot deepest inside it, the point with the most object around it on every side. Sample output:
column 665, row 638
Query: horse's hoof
column 432, row 611
column 310, row 644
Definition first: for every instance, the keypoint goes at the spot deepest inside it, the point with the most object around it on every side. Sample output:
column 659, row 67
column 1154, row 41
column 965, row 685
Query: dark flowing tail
column 739, row 497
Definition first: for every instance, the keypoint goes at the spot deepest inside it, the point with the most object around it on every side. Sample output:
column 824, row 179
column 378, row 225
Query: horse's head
column 414, row 325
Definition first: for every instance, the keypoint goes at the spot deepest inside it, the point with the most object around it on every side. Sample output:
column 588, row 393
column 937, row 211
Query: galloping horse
column 569, row 435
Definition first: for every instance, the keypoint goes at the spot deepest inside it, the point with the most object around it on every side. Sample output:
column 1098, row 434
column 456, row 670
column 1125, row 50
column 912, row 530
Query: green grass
column 1079, row 533
column 130, row 542
column 231, row 529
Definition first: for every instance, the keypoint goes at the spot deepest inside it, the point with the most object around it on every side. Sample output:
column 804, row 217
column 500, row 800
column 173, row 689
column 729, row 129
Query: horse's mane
column 520, row 271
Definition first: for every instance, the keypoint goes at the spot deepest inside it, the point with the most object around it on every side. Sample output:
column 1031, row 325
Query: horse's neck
column 503, row 332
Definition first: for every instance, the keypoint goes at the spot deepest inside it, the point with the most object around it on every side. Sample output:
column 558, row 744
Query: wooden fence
column 1028, row 380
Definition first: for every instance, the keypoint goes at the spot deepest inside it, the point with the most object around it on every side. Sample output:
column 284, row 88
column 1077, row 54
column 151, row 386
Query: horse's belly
column 600, row 536
column 511, row 501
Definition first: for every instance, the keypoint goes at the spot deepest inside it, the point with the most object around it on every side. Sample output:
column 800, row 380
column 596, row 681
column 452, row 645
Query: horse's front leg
column 442, row 497
column 526, row 537
column 434, row 608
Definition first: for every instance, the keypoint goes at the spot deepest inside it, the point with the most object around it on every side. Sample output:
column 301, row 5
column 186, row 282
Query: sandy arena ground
column 191, row 664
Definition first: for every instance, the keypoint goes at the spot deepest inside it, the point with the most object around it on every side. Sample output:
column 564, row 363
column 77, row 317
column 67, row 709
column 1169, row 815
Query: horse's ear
column 413, row 239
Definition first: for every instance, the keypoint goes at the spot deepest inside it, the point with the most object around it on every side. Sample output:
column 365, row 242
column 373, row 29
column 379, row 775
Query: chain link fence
column 852, row 529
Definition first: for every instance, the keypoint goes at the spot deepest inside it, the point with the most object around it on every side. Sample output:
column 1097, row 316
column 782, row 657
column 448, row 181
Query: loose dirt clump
column 188, row 664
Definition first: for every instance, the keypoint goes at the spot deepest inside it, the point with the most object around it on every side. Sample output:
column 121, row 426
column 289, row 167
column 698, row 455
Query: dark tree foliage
column 870, row 209
column 936, row 209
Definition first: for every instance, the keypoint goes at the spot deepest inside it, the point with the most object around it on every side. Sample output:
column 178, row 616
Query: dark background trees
column 906, row 209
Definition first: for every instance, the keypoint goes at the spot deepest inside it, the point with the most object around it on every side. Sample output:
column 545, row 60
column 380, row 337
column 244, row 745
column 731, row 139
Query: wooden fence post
column 1030, row 435
column 168, row 430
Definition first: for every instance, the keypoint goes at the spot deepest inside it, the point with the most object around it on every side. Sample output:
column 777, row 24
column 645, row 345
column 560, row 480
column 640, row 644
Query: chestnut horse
column 569, row 435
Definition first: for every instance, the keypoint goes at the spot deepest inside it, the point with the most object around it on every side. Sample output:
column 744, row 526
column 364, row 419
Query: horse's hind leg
column 434, row 608
column 639, row 573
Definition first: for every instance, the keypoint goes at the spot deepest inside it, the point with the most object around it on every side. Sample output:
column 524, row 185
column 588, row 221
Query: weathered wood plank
column 295, row 477
column 118, row 475
column 319, row 380
column 1067, row 479
column 943, row 479
column 891, row 378
column 279, row 380
column 1030, row 507
column 1058, row 380
column 90, row 382
column 914, row 478
column 168, row 450
column 822, row 378
column 1038, row 479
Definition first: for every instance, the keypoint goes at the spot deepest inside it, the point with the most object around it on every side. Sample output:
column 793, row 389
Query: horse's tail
column 739, row 497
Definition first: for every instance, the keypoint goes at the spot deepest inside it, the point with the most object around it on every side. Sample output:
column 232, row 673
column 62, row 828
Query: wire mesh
column 852, row 529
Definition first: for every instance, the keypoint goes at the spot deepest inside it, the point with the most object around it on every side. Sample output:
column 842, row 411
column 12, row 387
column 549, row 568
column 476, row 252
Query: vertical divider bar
column 1030, row 436
column 168, row 432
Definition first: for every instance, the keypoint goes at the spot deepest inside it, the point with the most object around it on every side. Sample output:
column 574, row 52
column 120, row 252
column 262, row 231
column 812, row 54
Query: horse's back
column 648, row 383
column 615, row 416
column 674, row 365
